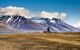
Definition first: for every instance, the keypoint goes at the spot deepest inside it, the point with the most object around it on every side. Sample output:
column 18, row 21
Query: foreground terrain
column 40, row 41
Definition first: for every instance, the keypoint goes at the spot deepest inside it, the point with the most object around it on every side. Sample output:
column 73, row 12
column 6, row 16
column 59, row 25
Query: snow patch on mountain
column 77, row 24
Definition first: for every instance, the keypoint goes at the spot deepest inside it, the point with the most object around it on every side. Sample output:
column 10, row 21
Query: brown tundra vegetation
column 40, row 41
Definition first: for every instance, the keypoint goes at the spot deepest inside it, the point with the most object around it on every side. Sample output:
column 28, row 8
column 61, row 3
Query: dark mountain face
column 37, row 24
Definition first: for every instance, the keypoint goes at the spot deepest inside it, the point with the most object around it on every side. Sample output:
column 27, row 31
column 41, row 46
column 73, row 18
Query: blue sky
column 71, row 7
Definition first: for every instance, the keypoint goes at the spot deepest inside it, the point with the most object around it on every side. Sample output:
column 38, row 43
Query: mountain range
column 15, row 23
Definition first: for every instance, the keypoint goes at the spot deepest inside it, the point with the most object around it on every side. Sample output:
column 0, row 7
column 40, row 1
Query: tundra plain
column 40, row 41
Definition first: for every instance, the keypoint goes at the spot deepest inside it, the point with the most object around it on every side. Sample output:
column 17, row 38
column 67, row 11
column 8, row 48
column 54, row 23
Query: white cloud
column 77, row 24
column 53, row 15
column 10, row 10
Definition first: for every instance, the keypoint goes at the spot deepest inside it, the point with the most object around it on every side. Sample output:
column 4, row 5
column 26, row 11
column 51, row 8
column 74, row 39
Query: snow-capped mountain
column 36, row 24
column 22, row 23
column 56, row 25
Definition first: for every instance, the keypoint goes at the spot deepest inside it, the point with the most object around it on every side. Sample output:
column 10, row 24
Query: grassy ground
column 40, row 41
